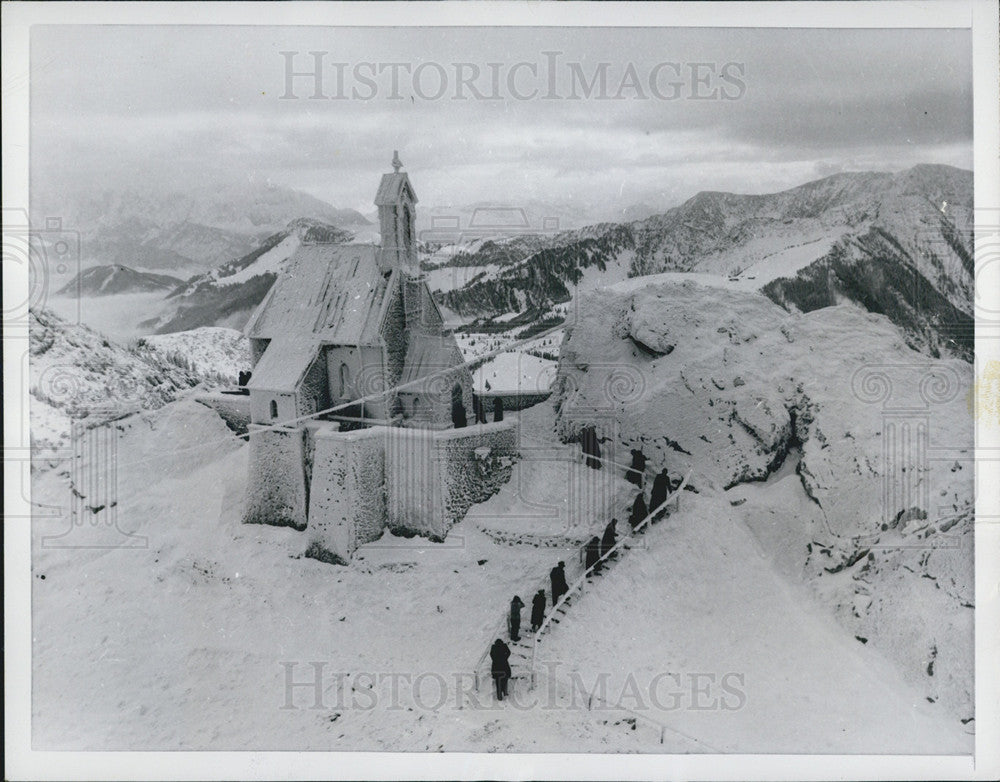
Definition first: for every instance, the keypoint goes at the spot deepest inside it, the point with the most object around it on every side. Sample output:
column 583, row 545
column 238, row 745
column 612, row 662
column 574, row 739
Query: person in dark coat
column 659, row 493
column 557, row 579
column 610, row 537
column 479, row 409
column 537, row 610
column 514, row 621
column 634, row 474
column 639, row 511
column 500, row 667
column 593, row 554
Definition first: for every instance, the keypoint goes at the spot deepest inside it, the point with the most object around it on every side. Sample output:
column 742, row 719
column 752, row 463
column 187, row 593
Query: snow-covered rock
column 880, row 436
column 726, row 382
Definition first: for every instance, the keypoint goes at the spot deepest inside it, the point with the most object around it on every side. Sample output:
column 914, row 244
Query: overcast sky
column 154, row 107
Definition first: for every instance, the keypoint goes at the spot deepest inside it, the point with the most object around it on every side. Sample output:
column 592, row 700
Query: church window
column 407, row 230
column 345, row 380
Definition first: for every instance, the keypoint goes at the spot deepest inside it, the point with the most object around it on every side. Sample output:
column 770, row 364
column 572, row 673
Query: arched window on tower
column 274, row 409
column 407, row 233
column 345, row 381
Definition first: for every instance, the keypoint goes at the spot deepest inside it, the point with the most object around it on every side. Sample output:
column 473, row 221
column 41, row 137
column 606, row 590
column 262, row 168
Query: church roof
column 391, row 187
column 283, row 364
column 425, row 355
column 332, row 293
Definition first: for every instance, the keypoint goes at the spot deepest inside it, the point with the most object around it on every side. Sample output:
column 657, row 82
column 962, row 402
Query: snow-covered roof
column 427, row 354
column 332, row 292
column 283, row 364
column 390, row 188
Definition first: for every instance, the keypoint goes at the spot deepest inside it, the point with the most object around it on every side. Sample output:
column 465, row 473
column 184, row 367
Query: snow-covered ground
column 516, row 372
column 184, row 641
column 476, row 344
column 190, row 638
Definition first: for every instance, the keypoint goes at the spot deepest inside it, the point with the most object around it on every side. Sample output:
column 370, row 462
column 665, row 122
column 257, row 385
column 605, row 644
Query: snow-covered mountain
column 109, row 280
column 790, row 426
column 447, row 224
column 191, row 231
column 226, row 295
column 897, row 244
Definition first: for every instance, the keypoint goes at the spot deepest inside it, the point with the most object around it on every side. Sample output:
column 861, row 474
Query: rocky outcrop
column 747, row 382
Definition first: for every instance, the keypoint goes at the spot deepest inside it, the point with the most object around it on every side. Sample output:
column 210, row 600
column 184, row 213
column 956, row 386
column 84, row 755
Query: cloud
column 173, row 106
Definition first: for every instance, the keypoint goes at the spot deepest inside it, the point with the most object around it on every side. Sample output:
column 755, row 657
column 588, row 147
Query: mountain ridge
column 922, row 216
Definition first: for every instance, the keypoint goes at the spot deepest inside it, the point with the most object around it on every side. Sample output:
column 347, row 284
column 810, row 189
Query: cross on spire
column 396, row 162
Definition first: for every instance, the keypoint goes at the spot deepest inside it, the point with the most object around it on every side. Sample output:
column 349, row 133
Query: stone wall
column 475, row 463
column 434, row 477
column 512, row 400
column 394, row 336
column 347, row 501
column 351, row 486
column 276, row 480
column 313, row 394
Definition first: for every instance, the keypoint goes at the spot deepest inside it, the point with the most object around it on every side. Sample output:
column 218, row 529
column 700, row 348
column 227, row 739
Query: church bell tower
column 396, row 204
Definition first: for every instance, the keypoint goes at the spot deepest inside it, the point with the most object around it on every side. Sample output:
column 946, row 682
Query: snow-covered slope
column 876, row 516
column 184, row 640
column 77, row 374
column 741, row 658
column 221, row 614
column 514, row 371
column 209, row 351
column 108, row 280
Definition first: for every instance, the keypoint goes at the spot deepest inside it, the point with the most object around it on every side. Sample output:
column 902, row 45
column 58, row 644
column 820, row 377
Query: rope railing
column 579, row 582
column 544, row 580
